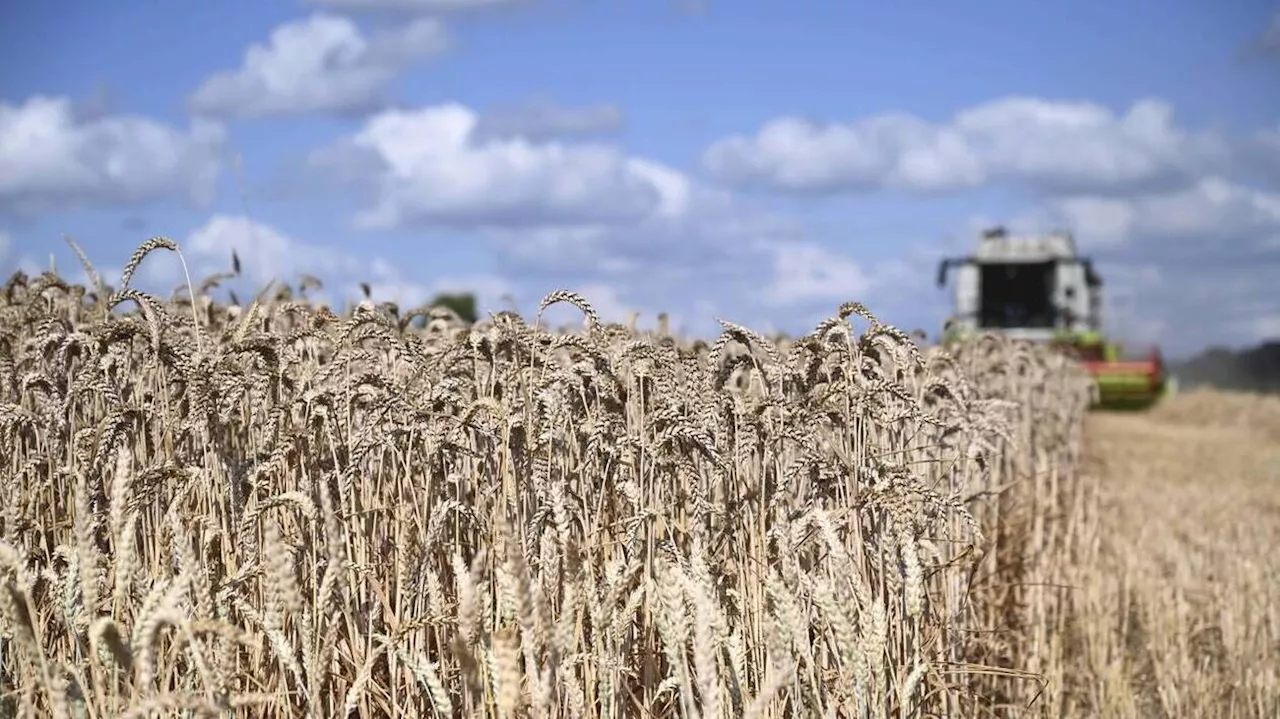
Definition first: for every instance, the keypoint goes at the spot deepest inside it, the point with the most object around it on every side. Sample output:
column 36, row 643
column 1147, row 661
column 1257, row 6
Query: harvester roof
column 997, row 245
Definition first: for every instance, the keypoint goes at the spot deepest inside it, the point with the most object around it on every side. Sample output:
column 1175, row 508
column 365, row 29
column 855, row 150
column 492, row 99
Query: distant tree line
column 463, row 304
column 1250, row 370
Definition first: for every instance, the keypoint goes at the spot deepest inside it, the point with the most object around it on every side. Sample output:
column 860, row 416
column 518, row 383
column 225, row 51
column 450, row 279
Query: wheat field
column 278, row 511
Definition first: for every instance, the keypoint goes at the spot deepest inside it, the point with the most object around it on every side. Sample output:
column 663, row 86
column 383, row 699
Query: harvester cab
column 1039, row 288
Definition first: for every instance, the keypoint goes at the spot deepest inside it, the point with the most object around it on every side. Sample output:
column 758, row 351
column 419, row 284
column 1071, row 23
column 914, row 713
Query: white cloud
column 1098, row 221
column 562, row 214
column 1219, row 214
column 541, row 119
column 585, row 215
column 1209, row 257
column 628, row 231
column 1213, row 306
column 491, row 291
column 414, row 6
column 1265, row 328
column 807, row 273
column 265, row 252
column 321, row 64
column 895, row 150
column 387, row 283
column 268, row 254
column 607, row 302
column 30, row 267
column 44, row 259
column 428, row 168
column 53, row 160
column 614, row 303
column 1134, row 309
column 1058, row 147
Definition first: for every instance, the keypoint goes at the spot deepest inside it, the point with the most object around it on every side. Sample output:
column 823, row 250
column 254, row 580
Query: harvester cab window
column 1016, row 295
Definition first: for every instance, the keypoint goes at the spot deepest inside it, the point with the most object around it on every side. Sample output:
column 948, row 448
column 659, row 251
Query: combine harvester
column 1038, row 288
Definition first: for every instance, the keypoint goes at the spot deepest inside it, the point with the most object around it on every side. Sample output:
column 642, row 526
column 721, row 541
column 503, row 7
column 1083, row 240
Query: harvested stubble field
column 275, row 511
column 1179, row 594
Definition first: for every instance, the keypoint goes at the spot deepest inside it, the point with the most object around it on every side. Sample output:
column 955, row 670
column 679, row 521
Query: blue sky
column 757, row 161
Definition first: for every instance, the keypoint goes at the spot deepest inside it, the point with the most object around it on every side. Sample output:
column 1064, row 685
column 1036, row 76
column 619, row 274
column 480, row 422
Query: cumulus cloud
column 1209, row 256
column 1191, row 307
column 269, row 254
column 321, row 64
column 428, row 167
column 490, row 290
column 1188, row 248
column 53, row 159
column 387, row 283
column 566, row 214
column 572, row 214
column 1269, row 41
column 1211, row 217
column 265, row 252
column 1056, row 147
column 711, row 253
column 615, row 303
column 805, row 273
column 541, row 120
column 1264, row 328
